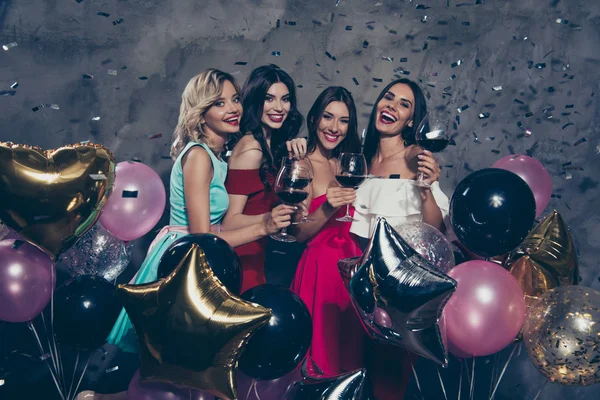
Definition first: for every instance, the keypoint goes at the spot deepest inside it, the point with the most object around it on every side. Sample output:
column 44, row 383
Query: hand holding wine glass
column 352, row 171
column 433, row 136
column 291, row 186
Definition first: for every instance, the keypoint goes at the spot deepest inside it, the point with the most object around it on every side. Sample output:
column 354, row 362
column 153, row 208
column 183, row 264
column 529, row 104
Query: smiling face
column 277, row 106
column 395, row 110
column 333, row 125
column 223, row 117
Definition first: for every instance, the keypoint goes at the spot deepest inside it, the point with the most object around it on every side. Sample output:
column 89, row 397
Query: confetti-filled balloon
column 562, row 335
column 97, row 253
column 428, row 242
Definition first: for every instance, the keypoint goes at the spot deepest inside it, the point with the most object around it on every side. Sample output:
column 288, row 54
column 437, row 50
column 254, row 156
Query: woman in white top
column 392, row 154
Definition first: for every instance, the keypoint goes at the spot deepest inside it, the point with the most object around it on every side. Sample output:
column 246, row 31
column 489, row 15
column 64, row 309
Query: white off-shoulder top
column 397, row 200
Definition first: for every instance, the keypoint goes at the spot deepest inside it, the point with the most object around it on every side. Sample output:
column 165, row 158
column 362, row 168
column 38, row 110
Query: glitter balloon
column 562, row 335
column 428, row 242
column 97, row 253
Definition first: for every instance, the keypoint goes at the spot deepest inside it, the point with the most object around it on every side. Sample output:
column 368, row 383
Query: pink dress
column 337, row 342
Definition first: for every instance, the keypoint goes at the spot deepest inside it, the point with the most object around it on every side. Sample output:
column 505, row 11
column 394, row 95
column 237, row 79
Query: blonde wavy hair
column 201, row 92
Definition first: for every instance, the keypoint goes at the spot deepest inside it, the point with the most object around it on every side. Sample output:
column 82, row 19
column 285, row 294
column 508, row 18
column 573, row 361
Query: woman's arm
column 247, row 157
column 197, row 174
column 336, row 198
column 432, row 214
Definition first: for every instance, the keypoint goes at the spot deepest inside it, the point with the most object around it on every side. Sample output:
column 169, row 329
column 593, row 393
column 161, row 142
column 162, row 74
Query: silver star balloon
column 314, row 386
column 398, row 295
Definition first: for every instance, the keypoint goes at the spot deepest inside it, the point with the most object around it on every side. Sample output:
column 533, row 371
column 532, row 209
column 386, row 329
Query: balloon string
column 250, row 388
column 472, row 380
column 50, row 351
column 493, row 374
column 541, row 389
column 255, row 384
column 52, row 372
column 460, row 380
column 83, row 373
column 73, row 377
column 58, row 364
column 416, row 377
column 441, row 382
column 503, row 371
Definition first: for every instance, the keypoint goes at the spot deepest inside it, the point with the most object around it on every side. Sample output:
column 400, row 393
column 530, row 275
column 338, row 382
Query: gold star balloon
column 52, row 198
column 547, row 258
column 190, row 328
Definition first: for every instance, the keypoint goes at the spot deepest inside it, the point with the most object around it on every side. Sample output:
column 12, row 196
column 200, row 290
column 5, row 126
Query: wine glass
column 352, row 171
column 300, row 183
column 433, row 135
column 291, row 186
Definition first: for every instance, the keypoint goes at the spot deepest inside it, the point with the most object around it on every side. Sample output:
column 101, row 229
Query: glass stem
column 348, row 210
column 284, row 231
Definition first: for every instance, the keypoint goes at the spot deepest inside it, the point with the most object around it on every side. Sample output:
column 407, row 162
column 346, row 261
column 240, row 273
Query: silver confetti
column 98, row 177
column 95, row 118
column 113, row 369
column 497, row 88
column 528, row 132
column 112, row 72
column 9, row 46
column 1, row 382
column 14, row 85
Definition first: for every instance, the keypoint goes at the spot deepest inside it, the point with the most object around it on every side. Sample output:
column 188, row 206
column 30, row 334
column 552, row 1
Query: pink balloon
column 533, row 173
column 136, row 203
column 487, row 310
column 27, row 279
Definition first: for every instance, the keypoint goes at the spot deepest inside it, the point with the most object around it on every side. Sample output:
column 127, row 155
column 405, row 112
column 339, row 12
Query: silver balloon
column 428, row 242
column 97, row 253
column 398, row 295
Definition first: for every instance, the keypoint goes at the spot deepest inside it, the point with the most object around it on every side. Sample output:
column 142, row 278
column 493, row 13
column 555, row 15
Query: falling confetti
column 582, row 140
column 53, row 106
column 14, row 85
column 497, row 88
column 103, row 14
column 9, row 46
column 113, row 72
column 276, row 53
column 8, row 92
column 118, row 21
column 95, row 118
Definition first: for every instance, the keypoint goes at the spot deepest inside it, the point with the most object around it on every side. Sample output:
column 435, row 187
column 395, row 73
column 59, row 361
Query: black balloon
column 278, row 347
column 85, row 310
column 220, row 256
column 492, row 210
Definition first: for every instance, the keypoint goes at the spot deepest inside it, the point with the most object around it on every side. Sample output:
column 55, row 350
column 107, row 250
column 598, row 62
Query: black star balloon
column 310, row 386
column 190, row 328
column 398, row 295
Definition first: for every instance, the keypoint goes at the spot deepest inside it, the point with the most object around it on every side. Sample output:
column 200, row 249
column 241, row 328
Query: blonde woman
column 210, row 111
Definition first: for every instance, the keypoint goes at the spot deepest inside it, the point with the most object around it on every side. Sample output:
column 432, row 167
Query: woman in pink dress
column 337, row 333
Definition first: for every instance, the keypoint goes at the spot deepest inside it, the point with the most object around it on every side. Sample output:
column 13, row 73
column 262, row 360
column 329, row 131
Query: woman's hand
column 339, row 196
column 429, row 167
column 279, row 218
column 296, row 148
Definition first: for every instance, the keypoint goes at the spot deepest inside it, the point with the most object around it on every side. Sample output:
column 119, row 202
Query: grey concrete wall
column 141, row 53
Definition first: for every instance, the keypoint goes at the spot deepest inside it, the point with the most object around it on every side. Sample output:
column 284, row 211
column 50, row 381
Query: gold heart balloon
column 547, row 258
column 51, row 198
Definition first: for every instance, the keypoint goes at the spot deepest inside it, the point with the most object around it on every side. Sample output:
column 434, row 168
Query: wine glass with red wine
column 299, row 182
column 433, row 135
column 352, row 171
column 291, row 186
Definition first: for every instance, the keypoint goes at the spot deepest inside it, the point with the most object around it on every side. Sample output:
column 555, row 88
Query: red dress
column 337, row 341
column 247, row 182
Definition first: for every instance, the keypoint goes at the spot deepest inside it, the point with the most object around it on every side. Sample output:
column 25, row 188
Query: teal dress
column 122, row 334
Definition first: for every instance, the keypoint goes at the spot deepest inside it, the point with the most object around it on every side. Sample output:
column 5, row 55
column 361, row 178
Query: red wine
column 296, row 183
column 433, row 145
column 292, row 196
column 350, row 181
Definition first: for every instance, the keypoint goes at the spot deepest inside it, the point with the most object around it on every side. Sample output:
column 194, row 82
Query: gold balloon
column 547, row 258
column 190, row 328
column 51, row 198
column 562, row 335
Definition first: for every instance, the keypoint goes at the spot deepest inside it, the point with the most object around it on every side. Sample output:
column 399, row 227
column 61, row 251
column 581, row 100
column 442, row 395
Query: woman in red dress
column 270, row 120
column 337, row 333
